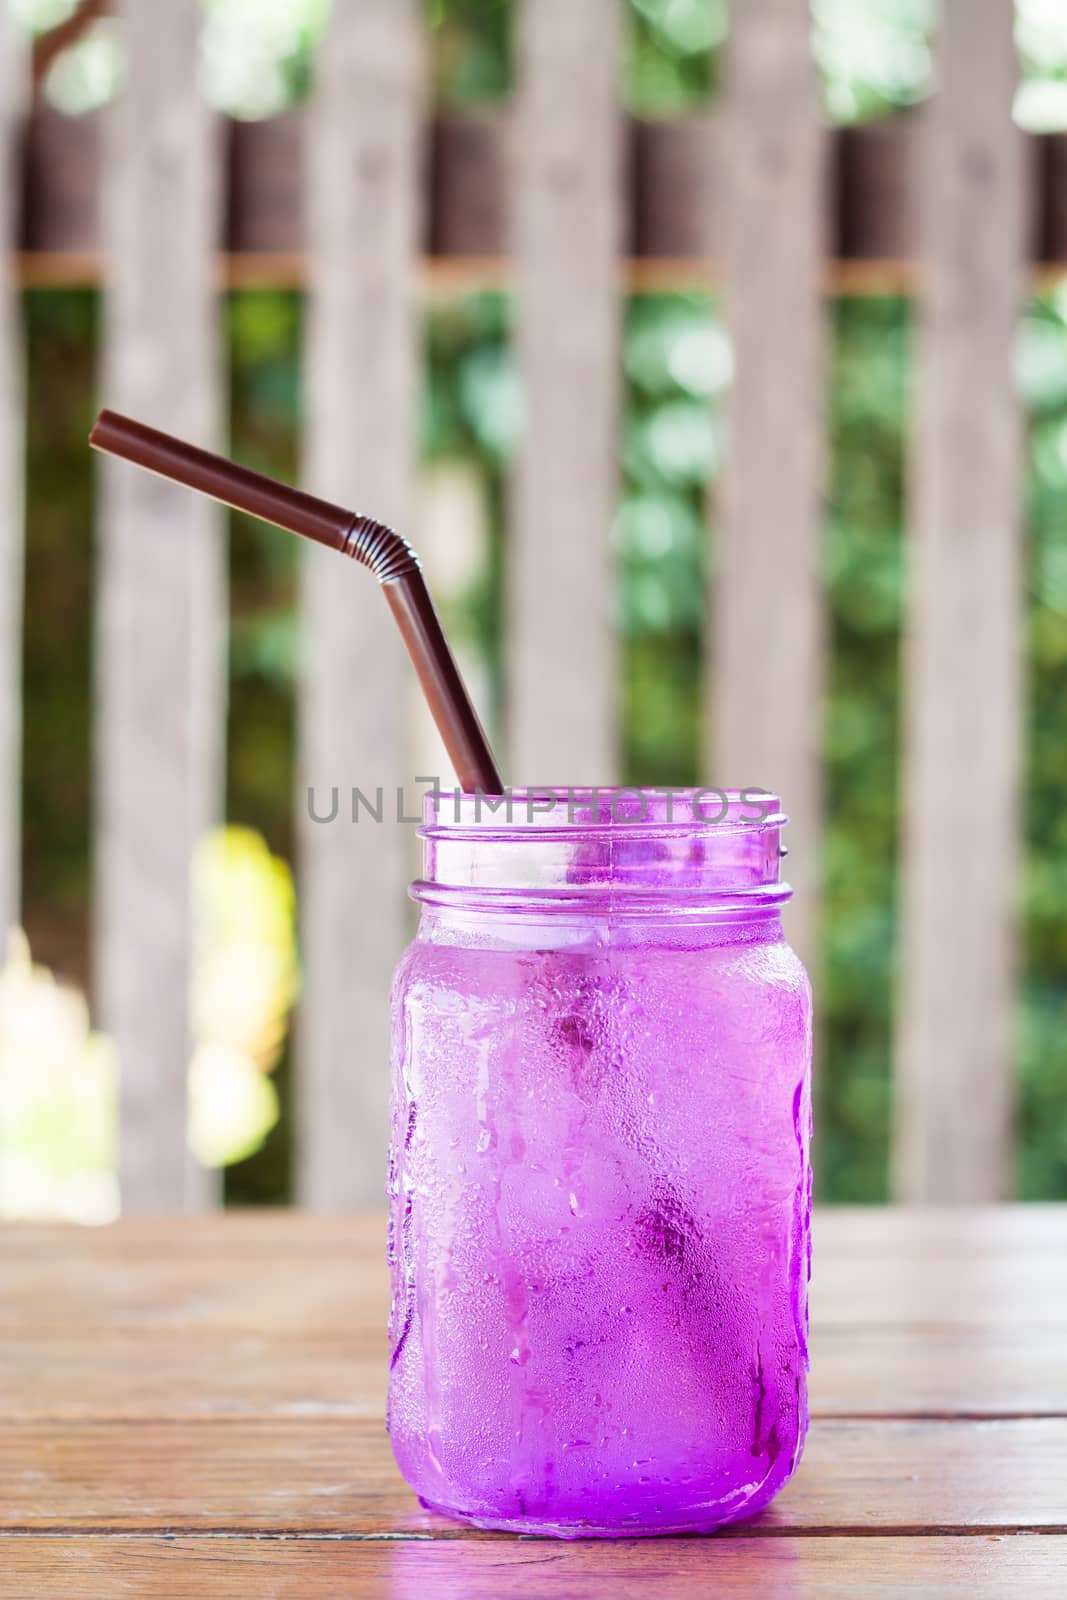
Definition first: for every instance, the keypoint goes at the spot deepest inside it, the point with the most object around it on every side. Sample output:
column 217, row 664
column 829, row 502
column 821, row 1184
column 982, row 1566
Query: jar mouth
column 592, row 811
column 683, row 847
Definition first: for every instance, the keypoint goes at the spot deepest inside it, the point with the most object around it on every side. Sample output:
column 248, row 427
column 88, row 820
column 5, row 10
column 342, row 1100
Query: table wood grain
column 195, row 1406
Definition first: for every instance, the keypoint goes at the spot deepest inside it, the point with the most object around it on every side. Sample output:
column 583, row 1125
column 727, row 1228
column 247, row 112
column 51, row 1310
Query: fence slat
column 362, row 185
column 955, row 1032
column 160, row 662
column 12, row 468
column 766, row 656
column 568, row 221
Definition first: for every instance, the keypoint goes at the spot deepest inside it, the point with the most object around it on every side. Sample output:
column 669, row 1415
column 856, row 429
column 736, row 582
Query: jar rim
column 596, row 812
column 622, row 850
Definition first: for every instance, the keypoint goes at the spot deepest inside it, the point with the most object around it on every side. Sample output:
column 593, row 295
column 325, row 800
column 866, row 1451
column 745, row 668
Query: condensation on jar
column 599, row 1179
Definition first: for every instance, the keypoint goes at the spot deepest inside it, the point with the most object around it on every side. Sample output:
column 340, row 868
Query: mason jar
column 599, row 1179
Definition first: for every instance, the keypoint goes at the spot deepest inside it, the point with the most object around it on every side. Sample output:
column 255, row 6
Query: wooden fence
column 358, row 195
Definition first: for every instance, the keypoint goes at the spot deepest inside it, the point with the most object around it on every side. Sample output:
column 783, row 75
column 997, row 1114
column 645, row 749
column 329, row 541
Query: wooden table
column 195, row 1408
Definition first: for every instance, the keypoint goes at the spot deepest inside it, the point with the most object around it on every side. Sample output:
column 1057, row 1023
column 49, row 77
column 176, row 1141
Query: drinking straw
column 391, row 559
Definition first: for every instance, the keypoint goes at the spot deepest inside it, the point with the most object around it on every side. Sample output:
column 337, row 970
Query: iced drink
column 599, row 1182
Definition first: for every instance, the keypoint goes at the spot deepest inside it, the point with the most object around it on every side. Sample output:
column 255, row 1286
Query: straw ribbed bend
column 387, row 554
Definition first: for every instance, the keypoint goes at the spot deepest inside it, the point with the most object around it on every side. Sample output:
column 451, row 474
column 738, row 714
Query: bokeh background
column 57, row 1078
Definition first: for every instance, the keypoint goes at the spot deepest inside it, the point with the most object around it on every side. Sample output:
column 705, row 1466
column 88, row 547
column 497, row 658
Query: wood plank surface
column 361, row 380
column 169, row 1386
column 740, row 1568
column 955, row 1040
column 495, row 1570
column 161, row 599
column 912, row 1370
column 568, row 224
column 914, row 1315
column 1001, row 1271
column 13, row 101
column 330, row 1474
column 845, row 1235
column 766, row 650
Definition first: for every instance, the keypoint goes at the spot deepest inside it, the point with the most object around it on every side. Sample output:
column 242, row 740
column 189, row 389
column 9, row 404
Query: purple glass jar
column 599, row 1180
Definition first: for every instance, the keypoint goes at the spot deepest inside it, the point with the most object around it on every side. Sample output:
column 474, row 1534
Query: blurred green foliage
column 61, row 331
column 874, row 56
column 472, row 412
column 672, row 54
column 863, row 559
column 264, row 333
column 1043, row 1059
column 471, row 48
column 677, row 364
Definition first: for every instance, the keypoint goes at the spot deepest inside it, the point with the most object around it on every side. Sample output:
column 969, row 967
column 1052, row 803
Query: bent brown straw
column 389, row 557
